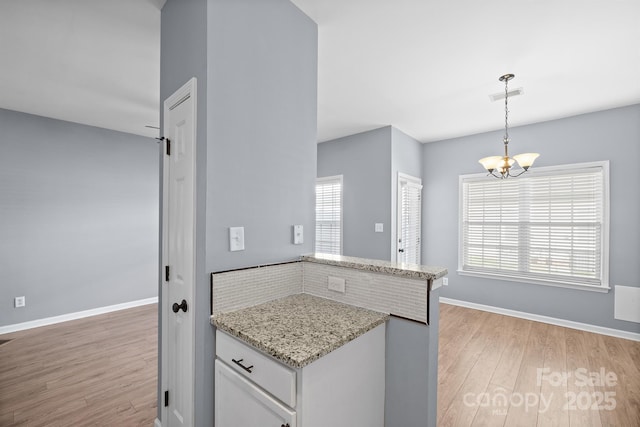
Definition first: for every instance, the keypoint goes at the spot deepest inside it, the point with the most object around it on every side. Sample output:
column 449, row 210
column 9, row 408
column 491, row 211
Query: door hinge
column 166, row 273
column 168, row 144
column 166, row 398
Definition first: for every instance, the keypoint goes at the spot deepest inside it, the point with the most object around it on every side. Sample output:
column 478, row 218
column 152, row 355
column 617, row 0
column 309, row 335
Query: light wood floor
column 98, row 371
column 102, row 371
column 502, row 371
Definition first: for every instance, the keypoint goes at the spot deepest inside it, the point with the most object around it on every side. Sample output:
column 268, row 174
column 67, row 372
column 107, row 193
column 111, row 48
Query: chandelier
column 500, row 166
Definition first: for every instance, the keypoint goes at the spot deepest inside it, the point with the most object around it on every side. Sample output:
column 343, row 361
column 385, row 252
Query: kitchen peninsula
column 370, row 325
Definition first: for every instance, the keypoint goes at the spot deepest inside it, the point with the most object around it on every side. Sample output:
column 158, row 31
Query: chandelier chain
column 500, row 166
column 506, row 111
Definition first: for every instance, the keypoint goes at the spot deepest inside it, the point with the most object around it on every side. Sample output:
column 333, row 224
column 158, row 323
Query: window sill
column 589, row 288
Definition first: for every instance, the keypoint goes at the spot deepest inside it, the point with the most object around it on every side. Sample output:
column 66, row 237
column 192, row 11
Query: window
column 409, row 217
column 549, row 226
column 329, row 215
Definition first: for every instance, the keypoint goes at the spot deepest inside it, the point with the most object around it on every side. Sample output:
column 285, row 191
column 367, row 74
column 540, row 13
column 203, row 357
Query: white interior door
column 178, row 257
column 409, row 219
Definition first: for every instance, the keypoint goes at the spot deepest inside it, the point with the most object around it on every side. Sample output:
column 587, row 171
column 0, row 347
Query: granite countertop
column 298, row 329
column 410, row 271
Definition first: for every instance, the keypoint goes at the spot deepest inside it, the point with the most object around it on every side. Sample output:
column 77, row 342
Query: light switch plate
column 236, row 239
column 379, row 227
column 298, row 235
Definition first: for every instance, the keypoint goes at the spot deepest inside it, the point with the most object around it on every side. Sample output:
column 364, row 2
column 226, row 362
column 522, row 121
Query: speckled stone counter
column 298, row 329
column 410, row 271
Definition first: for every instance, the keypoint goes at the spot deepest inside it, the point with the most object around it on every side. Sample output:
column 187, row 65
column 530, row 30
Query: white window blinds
column 409, row 216
column 329, row 215
column 548, row 226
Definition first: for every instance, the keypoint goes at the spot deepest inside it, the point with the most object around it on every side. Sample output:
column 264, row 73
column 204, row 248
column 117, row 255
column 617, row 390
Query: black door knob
column 182, row 306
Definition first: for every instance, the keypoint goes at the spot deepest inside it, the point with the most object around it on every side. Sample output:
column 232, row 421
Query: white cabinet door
column 239, row 402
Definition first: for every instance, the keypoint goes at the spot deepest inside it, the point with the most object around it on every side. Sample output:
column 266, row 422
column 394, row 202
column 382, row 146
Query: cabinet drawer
column 268, row 373
column 239, row 402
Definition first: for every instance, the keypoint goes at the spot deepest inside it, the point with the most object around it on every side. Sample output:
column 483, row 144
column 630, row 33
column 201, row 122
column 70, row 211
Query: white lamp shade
column 505, row 163
column 490, row 163
column 525, row 160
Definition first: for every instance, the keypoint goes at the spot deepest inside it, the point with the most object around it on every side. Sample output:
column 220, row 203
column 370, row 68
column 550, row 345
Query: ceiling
column 426, row 67
column 94, row 62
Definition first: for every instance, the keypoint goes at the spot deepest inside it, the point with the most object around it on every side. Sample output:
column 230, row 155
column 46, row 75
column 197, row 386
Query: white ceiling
column 427, row 66
column 94, row 62
column 423, row 66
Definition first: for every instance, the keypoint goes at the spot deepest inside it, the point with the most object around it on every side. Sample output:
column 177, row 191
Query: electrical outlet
column 19, row 302
column 336, row 284
column 445, row 281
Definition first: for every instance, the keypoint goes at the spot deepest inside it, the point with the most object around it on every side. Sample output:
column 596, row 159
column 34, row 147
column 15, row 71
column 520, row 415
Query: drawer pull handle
column 239, row 363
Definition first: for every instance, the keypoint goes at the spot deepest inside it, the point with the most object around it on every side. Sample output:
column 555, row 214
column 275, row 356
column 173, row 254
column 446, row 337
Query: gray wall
column 256, row 64
column 183, row 55
column 369, row 163
column 262, row 117
column 364, row 161
column 79, row 217
column 612, row 135
column 411, row 377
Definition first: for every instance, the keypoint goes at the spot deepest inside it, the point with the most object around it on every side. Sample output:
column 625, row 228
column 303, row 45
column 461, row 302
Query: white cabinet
column 261, row 369
column 345, row 388
column 239, row 402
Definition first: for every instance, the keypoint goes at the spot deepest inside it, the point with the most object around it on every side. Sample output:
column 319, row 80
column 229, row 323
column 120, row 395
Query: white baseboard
column 157, row 423
column 545, row 319
column 73, row 316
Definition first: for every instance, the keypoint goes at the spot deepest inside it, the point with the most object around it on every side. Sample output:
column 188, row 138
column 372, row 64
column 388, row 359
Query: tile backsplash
column 385, row 293
column 236, row 289
column 380, row 292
